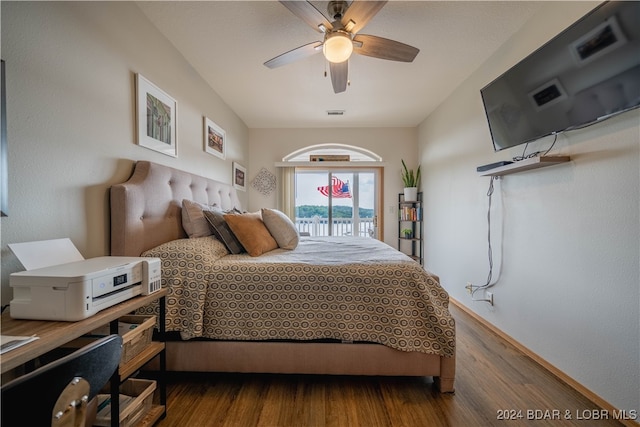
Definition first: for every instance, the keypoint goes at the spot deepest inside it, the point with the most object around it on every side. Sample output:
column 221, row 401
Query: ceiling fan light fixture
column 337, row 47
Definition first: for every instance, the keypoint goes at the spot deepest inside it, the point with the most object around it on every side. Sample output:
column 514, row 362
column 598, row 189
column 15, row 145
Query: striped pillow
column 222, row 231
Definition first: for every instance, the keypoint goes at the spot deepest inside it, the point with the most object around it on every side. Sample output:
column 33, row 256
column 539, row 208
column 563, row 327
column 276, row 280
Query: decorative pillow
column 281, row 228
column 193, row 220
column 221, row 230
column 252, row 233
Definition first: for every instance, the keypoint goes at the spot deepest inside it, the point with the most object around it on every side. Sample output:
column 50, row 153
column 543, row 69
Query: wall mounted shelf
column 527, row 164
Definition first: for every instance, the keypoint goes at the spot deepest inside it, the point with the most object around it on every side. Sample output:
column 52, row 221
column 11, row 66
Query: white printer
column 76, row 290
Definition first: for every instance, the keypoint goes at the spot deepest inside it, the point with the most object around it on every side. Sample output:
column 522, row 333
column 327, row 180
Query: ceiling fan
column 341, row 38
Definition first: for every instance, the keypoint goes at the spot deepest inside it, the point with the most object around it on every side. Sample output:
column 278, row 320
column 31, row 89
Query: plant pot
column 410, row 194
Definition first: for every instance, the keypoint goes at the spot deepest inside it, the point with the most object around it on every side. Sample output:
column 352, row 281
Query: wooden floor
column 495, row 386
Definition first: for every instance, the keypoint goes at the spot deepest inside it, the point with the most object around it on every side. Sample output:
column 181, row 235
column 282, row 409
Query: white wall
column 566, row 239
column 70, row 70
column 268, row 146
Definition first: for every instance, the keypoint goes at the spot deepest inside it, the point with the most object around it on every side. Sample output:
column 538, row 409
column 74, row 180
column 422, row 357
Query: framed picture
column 4, row 162
column 547, row 95
column 239, row 177
column 156, row 112
column 329, row 158
column 604, row 38
column 214, row 139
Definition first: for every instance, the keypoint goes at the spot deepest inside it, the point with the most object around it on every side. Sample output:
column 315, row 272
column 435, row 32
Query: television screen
column 589, row 72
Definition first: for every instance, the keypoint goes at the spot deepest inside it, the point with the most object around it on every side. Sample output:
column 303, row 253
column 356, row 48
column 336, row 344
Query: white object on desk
column 45, row 253
column 77, row 290
column 9, row 342
column 59, row 284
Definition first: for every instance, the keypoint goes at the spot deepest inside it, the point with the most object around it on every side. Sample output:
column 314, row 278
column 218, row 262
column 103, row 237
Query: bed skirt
column 307, row 358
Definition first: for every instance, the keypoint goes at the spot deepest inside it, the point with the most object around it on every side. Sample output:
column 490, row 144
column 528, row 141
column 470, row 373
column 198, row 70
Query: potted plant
column 411, row 181
column 408, row 233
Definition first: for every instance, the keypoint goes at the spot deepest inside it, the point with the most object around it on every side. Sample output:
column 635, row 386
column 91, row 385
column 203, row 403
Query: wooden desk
column 55, row 334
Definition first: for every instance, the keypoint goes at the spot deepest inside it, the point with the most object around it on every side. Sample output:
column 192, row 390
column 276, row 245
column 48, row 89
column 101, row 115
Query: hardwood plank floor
column 493, row 379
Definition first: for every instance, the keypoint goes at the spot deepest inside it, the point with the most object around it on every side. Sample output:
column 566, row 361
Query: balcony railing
column 318, row 226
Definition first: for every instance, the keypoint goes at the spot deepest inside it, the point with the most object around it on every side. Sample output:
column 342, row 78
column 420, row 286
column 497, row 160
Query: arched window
column 333, row 190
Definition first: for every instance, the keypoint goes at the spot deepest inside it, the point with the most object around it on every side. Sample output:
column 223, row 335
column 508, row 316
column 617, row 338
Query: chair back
column 57, row 394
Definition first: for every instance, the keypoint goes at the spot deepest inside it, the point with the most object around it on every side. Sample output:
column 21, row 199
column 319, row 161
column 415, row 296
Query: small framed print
column 4, row 162
column 214, row 139
column 156, row 118
column 239, row 177
column 329, row 158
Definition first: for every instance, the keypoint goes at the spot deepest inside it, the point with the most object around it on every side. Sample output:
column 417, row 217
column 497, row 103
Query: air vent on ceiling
column 335, row 112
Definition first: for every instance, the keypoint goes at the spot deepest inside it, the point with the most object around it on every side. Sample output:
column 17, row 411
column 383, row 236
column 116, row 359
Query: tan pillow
column 193, row 220
column 251, row 232
column 281, row 228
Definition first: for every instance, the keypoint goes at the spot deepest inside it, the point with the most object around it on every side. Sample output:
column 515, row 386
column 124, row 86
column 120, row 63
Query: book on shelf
column 408, row 213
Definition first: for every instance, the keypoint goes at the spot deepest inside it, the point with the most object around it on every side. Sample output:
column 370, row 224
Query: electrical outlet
column 490, row 297
column 468, row 287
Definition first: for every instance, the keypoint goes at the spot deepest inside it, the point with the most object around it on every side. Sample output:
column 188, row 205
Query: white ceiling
column 227, row 43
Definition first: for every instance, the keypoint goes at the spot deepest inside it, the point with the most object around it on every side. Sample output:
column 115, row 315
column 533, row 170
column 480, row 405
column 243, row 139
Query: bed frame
column 146, row 212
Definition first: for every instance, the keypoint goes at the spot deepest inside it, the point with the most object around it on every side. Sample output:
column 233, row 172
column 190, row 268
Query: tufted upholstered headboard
column 146, row 210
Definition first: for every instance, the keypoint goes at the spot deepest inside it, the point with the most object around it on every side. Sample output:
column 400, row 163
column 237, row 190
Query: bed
column 337, row 306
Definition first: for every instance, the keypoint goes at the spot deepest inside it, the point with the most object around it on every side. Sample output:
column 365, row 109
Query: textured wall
column 70, row 71
column 566, row 239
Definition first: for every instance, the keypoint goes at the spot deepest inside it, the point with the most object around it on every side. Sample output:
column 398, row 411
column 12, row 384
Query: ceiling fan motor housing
column 337, row 8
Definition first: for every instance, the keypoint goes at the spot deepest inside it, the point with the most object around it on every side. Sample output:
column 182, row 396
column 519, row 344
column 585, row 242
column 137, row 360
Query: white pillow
column 281, row 228
column 193, row 220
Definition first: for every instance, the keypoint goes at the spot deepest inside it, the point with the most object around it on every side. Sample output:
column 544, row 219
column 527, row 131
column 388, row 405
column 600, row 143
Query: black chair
column 57, row 394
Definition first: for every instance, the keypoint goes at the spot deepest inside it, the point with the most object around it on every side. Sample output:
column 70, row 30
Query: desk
column 55, row 334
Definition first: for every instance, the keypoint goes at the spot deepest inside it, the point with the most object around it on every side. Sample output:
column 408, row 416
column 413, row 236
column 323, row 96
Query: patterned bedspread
column 345, row 288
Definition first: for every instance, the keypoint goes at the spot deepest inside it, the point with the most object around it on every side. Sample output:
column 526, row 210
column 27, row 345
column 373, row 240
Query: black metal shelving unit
column 410, row 217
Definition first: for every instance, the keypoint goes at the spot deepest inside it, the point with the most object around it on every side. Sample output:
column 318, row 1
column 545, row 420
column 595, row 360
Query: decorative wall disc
column 264, row 182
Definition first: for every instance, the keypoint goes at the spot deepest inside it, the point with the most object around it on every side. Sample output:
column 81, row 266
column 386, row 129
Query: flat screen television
column 589, row 72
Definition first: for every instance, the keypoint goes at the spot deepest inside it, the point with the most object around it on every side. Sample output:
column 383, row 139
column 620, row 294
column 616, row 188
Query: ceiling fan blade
column 379, row 47
column 293, row 55
column 360, row 13
column 339, row 75
column 309, row 14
